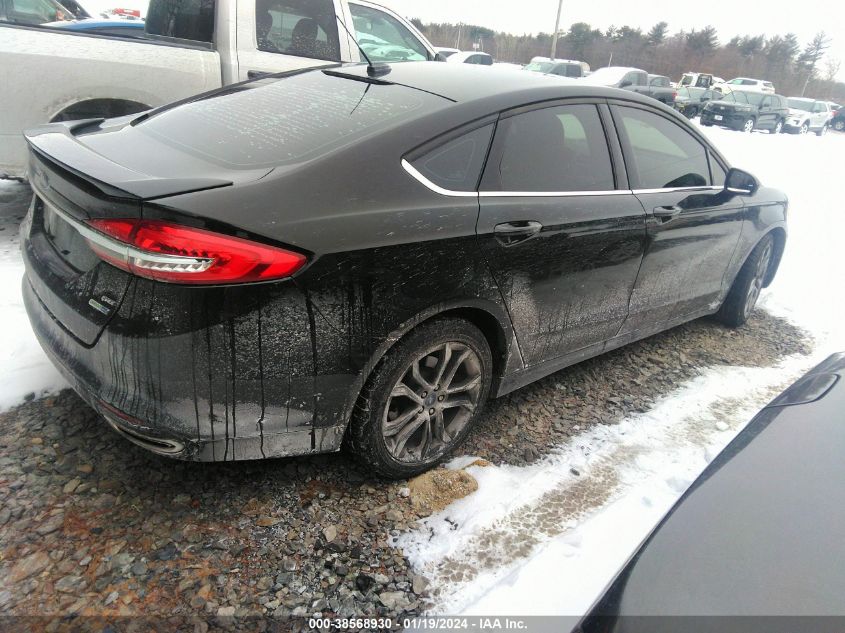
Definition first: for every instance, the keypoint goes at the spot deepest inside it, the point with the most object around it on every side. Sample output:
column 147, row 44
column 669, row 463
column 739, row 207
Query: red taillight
column 181, row 254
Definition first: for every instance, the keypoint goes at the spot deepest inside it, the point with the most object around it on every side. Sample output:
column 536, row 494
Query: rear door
column 693, row 223
column 820, row 115
column 563, row 239
column 279, row 35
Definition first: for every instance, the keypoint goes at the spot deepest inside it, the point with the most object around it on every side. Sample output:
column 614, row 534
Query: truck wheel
column 746, row 289
column 748, row 126
column 422, row 399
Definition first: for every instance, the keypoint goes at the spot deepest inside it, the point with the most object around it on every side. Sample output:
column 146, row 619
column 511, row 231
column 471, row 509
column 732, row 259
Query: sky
column 728, row 16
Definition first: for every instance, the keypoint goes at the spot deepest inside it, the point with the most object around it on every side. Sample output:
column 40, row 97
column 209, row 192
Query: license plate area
column 717, row 117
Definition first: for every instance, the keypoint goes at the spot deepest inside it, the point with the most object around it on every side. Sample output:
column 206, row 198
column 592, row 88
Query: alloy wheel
column 778, row 127
column 823, row 131
column 839, row 126
column 749, row 126
column 805, row 128
column 756, row 286
column 432, row 402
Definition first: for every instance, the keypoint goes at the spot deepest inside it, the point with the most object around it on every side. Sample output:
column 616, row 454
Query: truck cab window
column 297, row 27
column 384, row 38
column 182, row 19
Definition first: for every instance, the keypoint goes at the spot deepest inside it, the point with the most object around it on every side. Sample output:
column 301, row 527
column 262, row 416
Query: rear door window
column 297, row 27
column 456, row 164
column 554, row 149
column 663, row 154
column 384, row 38
column 182, row 19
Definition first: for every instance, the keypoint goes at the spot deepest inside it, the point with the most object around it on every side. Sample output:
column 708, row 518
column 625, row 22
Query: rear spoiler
column 56, row 143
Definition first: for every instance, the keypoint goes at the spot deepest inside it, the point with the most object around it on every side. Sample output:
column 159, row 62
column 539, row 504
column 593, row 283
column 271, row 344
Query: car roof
column 469, row 82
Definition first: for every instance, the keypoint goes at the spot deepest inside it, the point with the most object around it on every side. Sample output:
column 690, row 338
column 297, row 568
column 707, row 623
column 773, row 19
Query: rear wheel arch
column 95, row 108
column 496, row 331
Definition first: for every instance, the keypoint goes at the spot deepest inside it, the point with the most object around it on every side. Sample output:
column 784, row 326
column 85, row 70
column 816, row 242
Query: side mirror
column 439, row 57
column 625, row 84
column 739, row 181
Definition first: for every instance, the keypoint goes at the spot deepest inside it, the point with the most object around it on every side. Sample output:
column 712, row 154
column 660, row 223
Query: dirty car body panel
column 337, row 167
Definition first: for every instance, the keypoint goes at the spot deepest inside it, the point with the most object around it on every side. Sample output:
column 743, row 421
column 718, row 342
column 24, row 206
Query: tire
column 692, row 113
column 743, row 295
column 804, row 128
column 431, row 429
column 748, row 126
column 839, row 125
column 778, row 127
column 822, row 131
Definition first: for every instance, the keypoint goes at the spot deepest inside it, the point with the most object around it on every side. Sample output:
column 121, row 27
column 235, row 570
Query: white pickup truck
column 187, row 47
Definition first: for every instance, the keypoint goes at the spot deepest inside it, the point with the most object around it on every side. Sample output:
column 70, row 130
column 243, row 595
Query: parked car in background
column 633, row 79
column 423, row 239
column 561, row 67
column 837, row 122
column 446, row 52
column 745, row 84
column 698, row 80
column 807, row 115
column 98, row 26
column 471, row 57
column 746, row 111
column 660, row 88
column 192, row 46
column 754, row 513
column 584, row 65
column 690, row 101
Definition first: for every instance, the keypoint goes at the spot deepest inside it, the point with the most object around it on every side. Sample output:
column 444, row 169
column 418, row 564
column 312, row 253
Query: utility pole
column 557, row 26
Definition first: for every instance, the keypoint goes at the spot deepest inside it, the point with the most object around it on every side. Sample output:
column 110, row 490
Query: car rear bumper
column 159, row 393
column 729, row 119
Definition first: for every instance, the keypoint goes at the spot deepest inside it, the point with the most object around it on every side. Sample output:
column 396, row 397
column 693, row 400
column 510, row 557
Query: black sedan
column 360, row 256
column 759, row 533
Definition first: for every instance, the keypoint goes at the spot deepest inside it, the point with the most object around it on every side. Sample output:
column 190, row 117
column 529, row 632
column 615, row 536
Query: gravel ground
column 92, row 525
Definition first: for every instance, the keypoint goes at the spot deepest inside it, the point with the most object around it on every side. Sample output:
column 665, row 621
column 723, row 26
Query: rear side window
column 182, row 19
column 456, row 165
column 663, row 154
column 296, row 27
column 557, row 149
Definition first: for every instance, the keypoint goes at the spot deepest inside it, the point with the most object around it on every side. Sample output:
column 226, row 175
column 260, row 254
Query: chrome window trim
column 679, row 189
column 435, row 188
column 552, row 194
column 541, row 194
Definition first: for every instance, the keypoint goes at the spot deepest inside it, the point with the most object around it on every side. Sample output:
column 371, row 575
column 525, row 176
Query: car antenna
column 373, row 70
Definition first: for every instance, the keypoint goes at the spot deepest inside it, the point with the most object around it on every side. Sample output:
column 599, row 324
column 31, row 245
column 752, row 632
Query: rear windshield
column 273, row 122
column 182, row 19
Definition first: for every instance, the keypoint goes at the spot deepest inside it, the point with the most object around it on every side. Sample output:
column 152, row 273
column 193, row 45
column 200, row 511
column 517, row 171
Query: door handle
column 510, row 233
column 664, row 214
